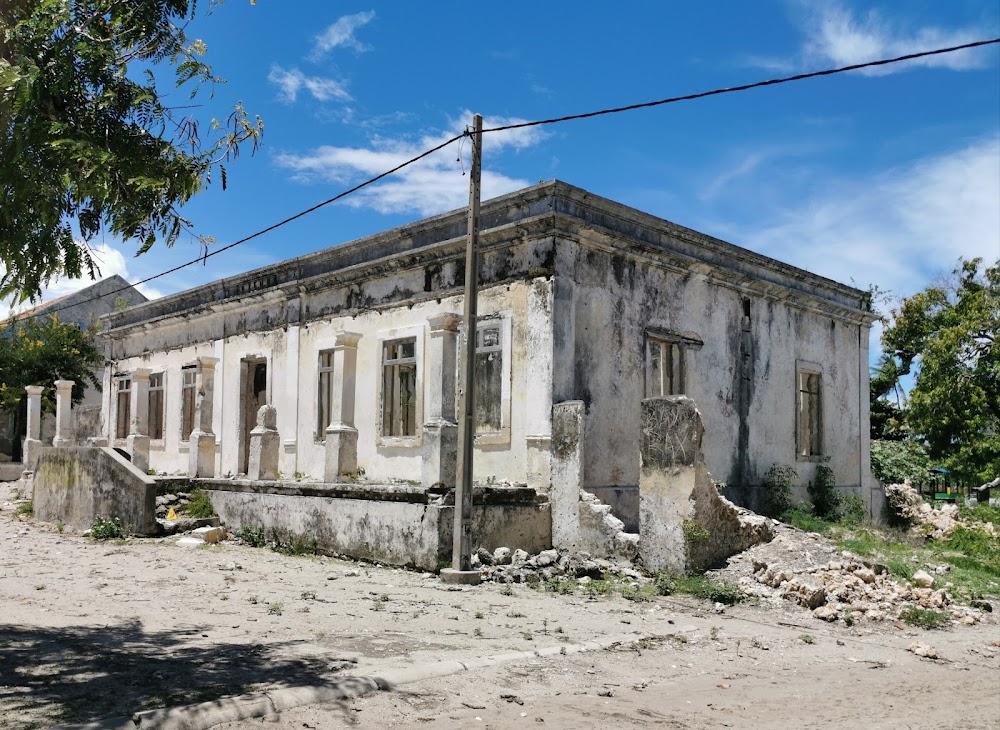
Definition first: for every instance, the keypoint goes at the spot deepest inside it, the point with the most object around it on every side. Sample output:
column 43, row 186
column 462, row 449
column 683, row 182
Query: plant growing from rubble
column 777, row 497
column 27, row 508
column 823, row 492
column 924, row 618
column 199, row 505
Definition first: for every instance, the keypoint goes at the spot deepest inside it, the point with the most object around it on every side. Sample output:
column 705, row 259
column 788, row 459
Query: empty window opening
column 489, row 378
column 123, row 406
column 399, row 387
column 666, row 368
column 188, row 382
column 156, row 393
column 324, row 404
column 808, row 415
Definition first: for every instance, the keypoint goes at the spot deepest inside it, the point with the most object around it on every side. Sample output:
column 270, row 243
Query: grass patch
column 638, row 595
column 199, row 505
column 27, row 508
column 599, row 588
column 698, row 586
column 802, row 517
column 107, row 529
column 924, row 618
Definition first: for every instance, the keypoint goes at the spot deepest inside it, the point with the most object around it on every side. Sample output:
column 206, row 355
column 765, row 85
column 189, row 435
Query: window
column 666, row 368
column 489, row 377
column 188, row 383
column 156, row 406
column 399, row 387
column 123, row 405
column 809, row 439
column 325, row 396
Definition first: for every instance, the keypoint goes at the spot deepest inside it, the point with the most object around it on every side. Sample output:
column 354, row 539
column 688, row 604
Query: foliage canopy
column 946, row 336
column 88, row 141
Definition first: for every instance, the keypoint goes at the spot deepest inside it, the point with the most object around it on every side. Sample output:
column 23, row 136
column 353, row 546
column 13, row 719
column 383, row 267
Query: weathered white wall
column 292, row 356
column 614, row 298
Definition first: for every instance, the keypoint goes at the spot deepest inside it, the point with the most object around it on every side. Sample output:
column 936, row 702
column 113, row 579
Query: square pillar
column 265, row 443
column 33, row 435
column 201, row 454
column 64, row 415
column 440, row 430
column 567, row 444
column 341, row 435
column 137, row 441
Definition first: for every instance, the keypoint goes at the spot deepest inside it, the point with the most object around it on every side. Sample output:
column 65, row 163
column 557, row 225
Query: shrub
column 778, row 489
column 27, row 508
column 853, row 510
column 103, row 529
column 253, row 536
column 823, row 492
column 199, row 505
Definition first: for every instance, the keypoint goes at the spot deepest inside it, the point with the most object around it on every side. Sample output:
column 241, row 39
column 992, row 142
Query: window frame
column 504, row 321
column 813, row 451
column 678, row 345
column 321, row 371
column 160, row 389
column 118, row 379
column 187, row 370
column 416, row 333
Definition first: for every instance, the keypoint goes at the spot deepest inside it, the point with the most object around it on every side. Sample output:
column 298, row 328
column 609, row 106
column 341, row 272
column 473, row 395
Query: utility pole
column 461, row 557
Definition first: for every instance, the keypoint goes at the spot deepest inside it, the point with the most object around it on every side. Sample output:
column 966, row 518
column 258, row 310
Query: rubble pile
column 506, row 566
column 166, row 502
column 936, row 522
column 808, row 570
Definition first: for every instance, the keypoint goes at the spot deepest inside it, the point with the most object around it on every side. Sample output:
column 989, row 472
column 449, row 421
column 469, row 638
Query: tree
column 87, row 144
column 946, row 336
column 39, row 351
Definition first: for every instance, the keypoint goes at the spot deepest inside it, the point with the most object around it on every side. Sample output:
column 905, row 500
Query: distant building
column 582, row 299
column 82, row 308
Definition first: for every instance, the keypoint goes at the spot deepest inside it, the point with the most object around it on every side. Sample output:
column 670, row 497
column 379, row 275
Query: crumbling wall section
column 684, row 525
column 75, row 484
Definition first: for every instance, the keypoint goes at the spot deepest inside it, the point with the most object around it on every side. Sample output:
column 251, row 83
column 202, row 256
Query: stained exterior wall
column 581, row 281
column 743, row 376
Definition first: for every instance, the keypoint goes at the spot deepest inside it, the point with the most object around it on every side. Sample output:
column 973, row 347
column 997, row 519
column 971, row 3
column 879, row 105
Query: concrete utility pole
column 461, row 557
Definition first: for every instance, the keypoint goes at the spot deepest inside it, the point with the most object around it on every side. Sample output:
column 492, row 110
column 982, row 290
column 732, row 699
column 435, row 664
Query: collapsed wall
column 684, row 524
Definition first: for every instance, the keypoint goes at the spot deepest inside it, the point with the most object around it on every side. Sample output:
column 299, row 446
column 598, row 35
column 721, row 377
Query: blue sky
column 883, row 177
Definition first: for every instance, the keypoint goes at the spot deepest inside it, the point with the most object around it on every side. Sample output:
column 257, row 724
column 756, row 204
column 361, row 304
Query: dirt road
column 90, row 630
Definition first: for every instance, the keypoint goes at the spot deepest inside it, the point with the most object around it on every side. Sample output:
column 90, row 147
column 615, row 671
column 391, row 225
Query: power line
column 522, row 125
column 745, row 87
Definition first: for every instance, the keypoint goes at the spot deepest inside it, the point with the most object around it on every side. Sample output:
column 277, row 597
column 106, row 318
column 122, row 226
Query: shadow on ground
column 80, row 674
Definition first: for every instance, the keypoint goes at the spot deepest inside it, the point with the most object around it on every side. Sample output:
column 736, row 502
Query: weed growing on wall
column 199, row 505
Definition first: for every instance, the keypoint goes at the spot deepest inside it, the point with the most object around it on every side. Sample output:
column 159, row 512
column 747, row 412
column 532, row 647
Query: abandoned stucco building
column 582, row 299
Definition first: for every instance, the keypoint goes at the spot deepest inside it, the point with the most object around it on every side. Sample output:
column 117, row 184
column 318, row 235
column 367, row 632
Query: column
column 137, row 442
column 33, row 435
column 567, row 471
column 440, row 430
column 64, row 414
column 341, row 435
column 265, row 442
column 201, row 454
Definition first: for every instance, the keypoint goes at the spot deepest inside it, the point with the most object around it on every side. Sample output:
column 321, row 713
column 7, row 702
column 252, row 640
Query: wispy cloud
column 897, row 229
column 291, row 81
column 432, row 185
column 341, row 34
column 837, row 36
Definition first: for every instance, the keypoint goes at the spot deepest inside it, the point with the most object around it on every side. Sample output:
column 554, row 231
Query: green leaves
column 84, row 142
column 947, row 335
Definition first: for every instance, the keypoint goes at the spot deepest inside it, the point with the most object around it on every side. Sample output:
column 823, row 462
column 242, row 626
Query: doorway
column 253, row 395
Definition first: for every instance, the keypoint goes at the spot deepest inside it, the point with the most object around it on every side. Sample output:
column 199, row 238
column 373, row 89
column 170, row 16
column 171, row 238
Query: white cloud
column 837, row 36
column 432, row 185
column 897, row 229
column 341, row 34
column 291, row 81
column 109, row 260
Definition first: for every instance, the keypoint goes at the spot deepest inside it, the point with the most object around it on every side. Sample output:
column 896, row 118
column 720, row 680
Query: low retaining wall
column 75, row 484
column 400, row 525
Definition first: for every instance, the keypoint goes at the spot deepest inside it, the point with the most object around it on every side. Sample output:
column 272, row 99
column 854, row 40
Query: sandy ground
column 91, row 630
